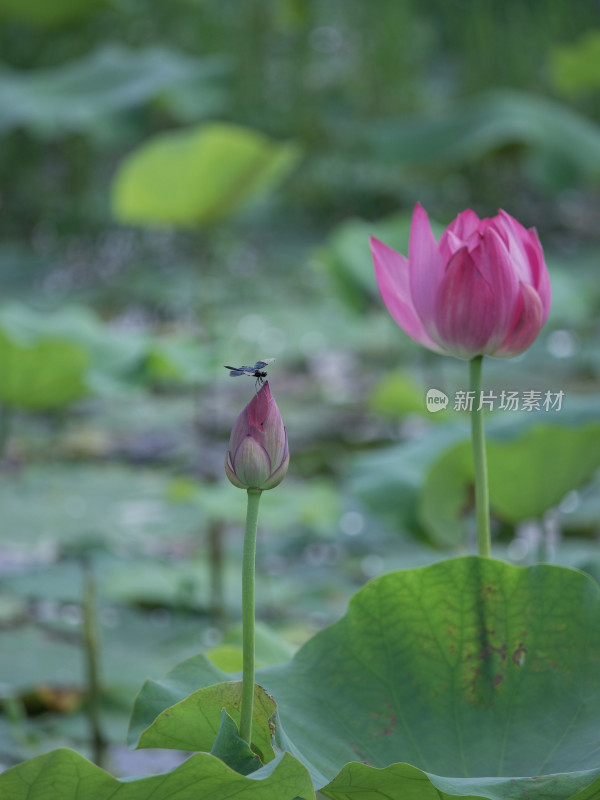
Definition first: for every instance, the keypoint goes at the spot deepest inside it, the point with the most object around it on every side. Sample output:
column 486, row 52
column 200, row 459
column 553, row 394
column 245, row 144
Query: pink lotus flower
column 258, row 454
column 483, row 289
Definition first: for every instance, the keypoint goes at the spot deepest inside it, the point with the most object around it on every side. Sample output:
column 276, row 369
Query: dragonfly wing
column 261, row 364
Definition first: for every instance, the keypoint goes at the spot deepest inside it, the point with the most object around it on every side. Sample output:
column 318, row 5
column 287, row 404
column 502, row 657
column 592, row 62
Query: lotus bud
column 258, row 454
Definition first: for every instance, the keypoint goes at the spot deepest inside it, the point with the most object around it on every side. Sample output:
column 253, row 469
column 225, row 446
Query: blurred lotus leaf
column 575, row 67
column 424, row 484
column 84, row 95
column 198, row 175
column 550, row 460
column 39, row 372
column 109, row 359
column 41, row 12
column 396, row 395
column 485, row 124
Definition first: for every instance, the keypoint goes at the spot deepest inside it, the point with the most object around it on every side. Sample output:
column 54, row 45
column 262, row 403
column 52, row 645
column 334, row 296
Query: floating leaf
column 512, row 464
column 66, row 775
column 198, row 175
column 482, row 677
column 194, row 723
column 41, row 375
column 487, row 123
column 80, row 95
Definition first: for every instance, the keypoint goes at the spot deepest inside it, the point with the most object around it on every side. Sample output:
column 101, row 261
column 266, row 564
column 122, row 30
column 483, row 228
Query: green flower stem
column 90, row 639
column 482, row 496
column 248, row 614
column 5, row 425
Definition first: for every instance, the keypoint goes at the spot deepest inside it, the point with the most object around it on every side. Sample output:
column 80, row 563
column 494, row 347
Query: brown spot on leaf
column 520, row 655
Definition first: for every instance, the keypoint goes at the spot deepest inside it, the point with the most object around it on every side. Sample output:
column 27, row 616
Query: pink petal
column 275, row 438
column 449, row 244
column 466, row 223
column 539, row 271
column 516, row 238
column 279, row 474
column 465, row 308
column 392, row 274
column 425, row 268
column 258, row 407
column 497, row 268
column 239, row 430
column 529, row 319
column 251, row 463
column 525, row 246
column 457, row 233
column 231, row 474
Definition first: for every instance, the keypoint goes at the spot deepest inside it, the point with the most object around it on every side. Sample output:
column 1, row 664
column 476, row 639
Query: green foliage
column 40, row 12
column 180, row 728
column 550, row 460
column 84, row 95
column 39, row 371
column 512, row 464
column 66, row 774
column 104, row 359
column 481, row 126
column 576, row 67
column 469, row 669
column 198, row 176
column 425, row 485
column 396, row 395
column 389, row 481
column 232, row 749
column 270, row 649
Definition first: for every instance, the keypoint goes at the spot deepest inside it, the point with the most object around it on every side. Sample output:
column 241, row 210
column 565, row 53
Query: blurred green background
column 193, row 183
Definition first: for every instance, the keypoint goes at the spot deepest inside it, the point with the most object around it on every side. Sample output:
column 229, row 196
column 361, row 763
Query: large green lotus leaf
column 198, row 175
column 194, row 723
column 550, row 460
column 45, row 374
column 82, row 95
column 404, row 782
column 470, row 669
column 485, row 124
column 65, row 775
